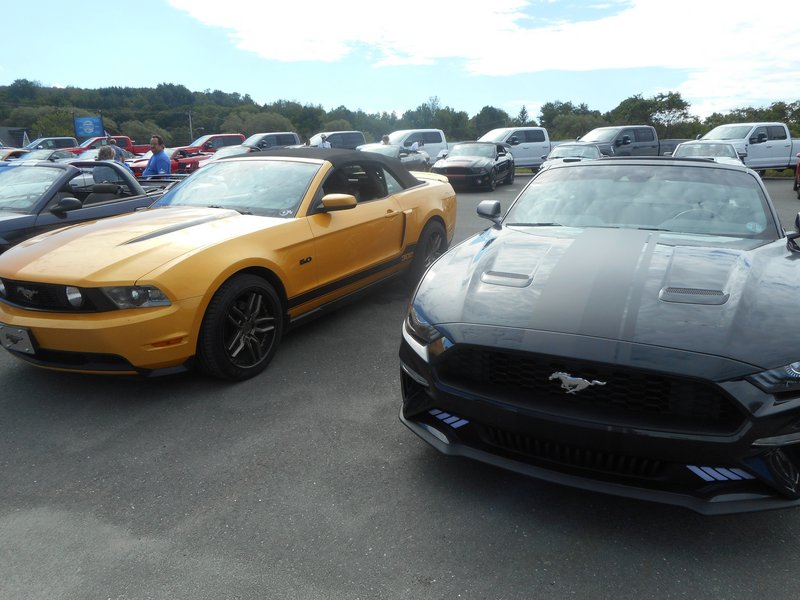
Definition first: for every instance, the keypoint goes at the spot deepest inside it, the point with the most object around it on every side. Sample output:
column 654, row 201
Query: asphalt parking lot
column 303, row 484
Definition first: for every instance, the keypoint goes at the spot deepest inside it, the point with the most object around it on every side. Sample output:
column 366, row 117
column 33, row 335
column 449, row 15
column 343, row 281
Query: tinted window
column 534, row 135
column 759, row 131
column 432, row 137
column 644, row 135
column 776, row 132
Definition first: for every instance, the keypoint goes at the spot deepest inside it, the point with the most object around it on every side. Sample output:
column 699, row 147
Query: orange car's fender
column 436, row 199
column 283, row 254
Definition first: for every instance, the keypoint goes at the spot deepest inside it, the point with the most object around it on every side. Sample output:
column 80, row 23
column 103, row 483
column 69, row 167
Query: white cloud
column 748, row 57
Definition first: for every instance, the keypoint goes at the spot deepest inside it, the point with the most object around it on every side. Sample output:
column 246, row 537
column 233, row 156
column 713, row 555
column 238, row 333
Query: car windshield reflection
column 265, row 188
column 676, row 199
column 484, row 150
column 21, row 187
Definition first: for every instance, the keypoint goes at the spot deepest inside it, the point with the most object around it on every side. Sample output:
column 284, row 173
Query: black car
column 624, row 328
column 37, row 196
column 477, row 164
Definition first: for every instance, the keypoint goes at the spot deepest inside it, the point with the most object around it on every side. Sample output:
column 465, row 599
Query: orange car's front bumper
column 115, row 342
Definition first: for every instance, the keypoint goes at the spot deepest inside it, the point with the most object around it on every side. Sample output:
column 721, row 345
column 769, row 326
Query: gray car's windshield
column 602, row 134
column 574, row 150
column 495, row 135
column 266, row 188
column 680, row 199
column 703, row 149
column 728, row 132
column 21, row 187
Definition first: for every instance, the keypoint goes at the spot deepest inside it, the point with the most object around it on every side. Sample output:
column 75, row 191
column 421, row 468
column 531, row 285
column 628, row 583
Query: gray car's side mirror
column 65, row 205
column 490, row 209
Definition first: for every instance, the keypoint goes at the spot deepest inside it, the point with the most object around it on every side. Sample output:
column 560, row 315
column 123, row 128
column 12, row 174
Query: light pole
column 191, row 134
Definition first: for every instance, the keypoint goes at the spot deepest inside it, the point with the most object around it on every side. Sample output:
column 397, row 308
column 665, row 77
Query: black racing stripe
column 590, row 289
column 177, row 227
column 349, row 280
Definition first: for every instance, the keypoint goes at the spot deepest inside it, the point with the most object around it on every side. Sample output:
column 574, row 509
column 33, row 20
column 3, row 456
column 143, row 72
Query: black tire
column 492, row 185
column 510, row 176
column 431, row 245
column 241, row 329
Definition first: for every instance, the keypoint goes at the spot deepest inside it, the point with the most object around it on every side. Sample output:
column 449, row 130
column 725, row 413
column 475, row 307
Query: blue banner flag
column 88, row 126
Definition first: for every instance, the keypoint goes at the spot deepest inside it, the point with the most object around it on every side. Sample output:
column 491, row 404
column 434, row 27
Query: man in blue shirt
column 159, row 163
column 117, row 150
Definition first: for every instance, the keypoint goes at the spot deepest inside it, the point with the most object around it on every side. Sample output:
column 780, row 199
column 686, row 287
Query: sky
column 392, row 56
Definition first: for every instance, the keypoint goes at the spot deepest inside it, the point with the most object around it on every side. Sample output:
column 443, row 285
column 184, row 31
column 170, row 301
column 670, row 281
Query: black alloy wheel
column 431, row 245
column 241, row 329
column 510, row 176
column 492, row 185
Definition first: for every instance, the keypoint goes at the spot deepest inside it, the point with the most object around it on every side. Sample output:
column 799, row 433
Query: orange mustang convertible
column 214, row 272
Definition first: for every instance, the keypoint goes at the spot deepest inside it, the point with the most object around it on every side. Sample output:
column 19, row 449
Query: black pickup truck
column 630, row 140
column 38, row 196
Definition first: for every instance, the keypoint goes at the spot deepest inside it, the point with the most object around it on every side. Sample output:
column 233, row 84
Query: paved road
column 302, row 484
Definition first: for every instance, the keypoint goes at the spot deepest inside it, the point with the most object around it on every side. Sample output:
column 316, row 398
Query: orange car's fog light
column 167, row 343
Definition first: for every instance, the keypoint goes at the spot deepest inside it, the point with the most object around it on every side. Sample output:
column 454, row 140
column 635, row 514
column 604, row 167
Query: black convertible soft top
column 341, row 157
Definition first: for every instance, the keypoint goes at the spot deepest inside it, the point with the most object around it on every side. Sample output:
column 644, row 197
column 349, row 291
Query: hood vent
column 693, row 296
column 507, row 279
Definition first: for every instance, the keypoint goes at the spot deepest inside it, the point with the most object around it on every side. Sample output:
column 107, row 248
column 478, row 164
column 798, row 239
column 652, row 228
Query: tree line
column 180, row 115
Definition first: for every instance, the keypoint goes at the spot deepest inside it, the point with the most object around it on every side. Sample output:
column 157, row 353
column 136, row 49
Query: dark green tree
column 523, row 120
column 635, row 110
column 489, row 118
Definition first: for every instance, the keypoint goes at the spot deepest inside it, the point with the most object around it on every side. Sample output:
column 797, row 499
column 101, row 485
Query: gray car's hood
column 719, row 296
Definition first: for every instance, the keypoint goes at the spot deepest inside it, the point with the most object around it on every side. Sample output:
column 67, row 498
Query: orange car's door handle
column 392, row 213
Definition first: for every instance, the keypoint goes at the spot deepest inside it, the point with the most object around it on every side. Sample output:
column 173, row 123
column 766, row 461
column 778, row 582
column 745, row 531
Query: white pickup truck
column 529, row 145
column 764, row 145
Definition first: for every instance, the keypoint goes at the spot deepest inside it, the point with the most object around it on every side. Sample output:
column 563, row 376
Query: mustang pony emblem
column 27, row 294
column 573, row 384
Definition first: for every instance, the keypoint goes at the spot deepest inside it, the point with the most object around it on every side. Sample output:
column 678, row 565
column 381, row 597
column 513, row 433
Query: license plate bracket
column 17, row 339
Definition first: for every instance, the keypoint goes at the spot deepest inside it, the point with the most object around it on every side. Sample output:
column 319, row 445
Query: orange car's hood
column 123, row 249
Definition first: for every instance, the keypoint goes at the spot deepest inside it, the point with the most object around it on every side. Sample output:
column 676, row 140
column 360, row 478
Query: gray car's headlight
column 420, row 328
column 136, row 296
column 780, row 380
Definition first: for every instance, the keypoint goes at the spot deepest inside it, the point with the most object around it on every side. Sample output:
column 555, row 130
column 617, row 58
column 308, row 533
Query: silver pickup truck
column 630, row 140
column 764, row 145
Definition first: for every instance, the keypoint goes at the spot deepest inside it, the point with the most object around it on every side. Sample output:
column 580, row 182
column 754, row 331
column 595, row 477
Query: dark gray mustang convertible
column 623, row 328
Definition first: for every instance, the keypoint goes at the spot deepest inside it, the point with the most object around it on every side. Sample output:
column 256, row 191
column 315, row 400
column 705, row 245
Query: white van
column 433, row 141
column 528, row 144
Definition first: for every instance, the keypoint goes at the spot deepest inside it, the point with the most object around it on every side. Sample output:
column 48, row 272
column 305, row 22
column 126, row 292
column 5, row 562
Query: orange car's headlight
column 136, row 296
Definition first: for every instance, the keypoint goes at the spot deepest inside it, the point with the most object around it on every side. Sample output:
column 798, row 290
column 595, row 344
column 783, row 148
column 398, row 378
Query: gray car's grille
column 454, row 171
column 625, row 397
column 583, row 458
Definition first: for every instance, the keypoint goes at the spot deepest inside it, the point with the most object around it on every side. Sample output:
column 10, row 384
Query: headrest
column 105, row 188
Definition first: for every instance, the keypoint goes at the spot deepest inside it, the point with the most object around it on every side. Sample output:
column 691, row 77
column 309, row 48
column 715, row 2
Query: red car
column 214, row 141
column 182, row 160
